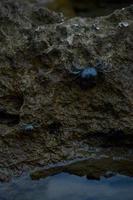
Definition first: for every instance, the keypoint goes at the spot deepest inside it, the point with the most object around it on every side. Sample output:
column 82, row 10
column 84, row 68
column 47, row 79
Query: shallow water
column 66, row 186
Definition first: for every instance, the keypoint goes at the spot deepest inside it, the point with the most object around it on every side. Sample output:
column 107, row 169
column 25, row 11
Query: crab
column 88, row 76
column 28, row 127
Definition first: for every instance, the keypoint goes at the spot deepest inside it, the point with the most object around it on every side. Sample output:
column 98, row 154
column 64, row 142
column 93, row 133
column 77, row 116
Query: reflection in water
column 68, row 187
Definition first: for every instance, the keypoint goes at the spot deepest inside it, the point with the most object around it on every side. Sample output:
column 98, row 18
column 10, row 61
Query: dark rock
column 4, row 178
column 35, row 84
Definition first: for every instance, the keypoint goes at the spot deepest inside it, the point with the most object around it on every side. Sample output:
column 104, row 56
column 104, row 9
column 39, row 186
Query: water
column 65, row 186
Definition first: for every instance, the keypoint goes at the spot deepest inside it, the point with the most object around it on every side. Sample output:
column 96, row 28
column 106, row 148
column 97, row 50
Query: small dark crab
column 88, row 76
column 29, row 127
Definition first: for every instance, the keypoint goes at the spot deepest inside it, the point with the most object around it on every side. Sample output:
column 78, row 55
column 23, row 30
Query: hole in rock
column 54, row 128
column 9, row 119
column 12, row 101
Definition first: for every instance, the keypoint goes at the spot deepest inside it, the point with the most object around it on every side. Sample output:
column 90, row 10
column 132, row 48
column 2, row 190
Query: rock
column 36, row 56
column 91, row 169
column 4, row 178
column 109, row 174
column 64, row 6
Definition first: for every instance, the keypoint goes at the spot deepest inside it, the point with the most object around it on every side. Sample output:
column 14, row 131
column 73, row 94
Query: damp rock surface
column 38, row 51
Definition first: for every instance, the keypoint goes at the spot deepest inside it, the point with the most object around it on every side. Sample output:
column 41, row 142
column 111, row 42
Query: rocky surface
column 92, row 169
column 45, row 115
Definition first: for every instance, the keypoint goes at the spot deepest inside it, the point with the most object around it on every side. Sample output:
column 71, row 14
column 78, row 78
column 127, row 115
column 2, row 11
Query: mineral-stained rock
column 38, row 50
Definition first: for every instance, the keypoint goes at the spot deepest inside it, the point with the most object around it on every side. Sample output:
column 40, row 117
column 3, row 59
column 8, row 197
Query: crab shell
column 89, row 73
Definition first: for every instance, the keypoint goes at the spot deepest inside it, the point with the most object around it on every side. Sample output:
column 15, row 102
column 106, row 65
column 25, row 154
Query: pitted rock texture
column 38, row 50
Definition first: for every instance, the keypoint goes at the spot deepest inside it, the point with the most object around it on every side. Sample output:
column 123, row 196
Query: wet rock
column 109, row 174
column 64, row 6
column 36, row 86
column 4, row 177
column 92, row 169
